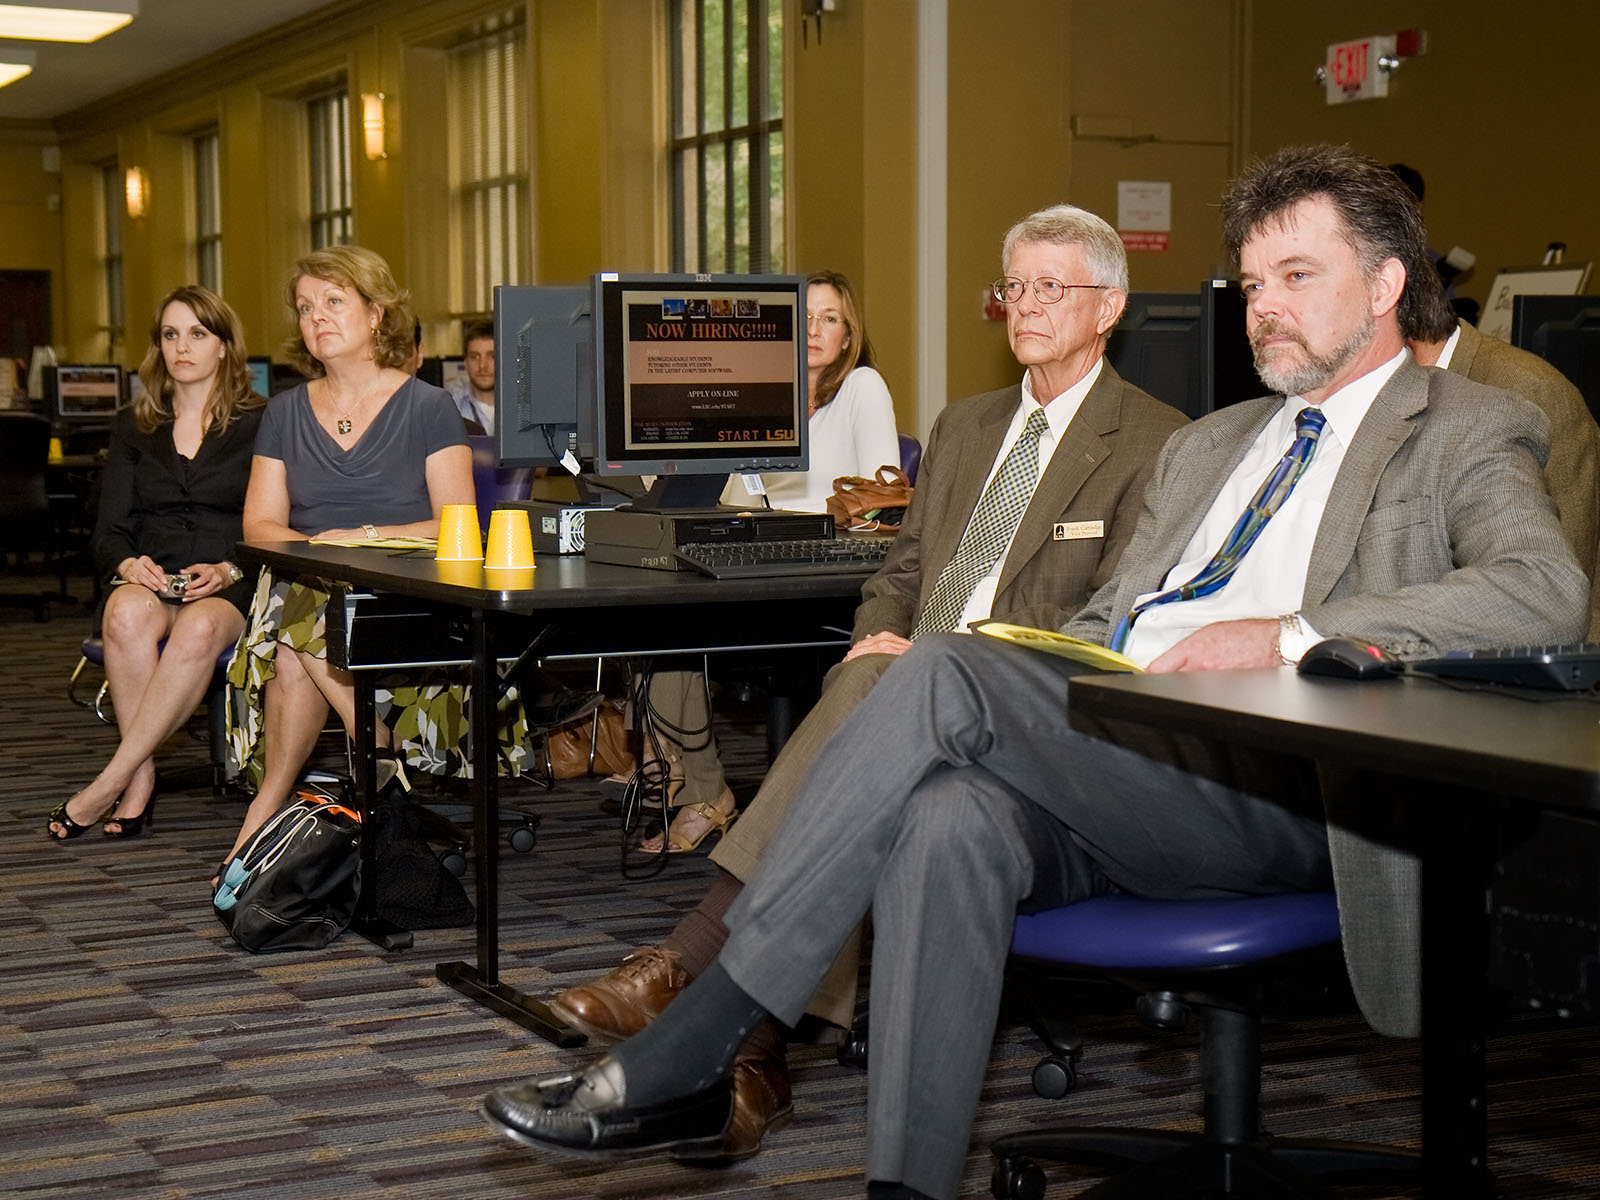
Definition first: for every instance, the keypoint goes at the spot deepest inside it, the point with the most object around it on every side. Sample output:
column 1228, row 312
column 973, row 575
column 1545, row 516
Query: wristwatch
column 1293, row 639
column 234, row 573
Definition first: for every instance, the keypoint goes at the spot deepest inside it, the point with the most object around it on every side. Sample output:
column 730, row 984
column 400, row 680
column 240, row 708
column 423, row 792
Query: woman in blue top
column 362, row 450
column 170, row 503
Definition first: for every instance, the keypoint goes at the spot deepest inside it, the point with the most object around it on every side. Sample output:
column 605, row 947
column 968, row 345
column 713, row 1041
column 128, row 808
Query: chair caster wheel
column 454, row 861
column 1017, row 1179
column 523, row 837
column 1054, row 1077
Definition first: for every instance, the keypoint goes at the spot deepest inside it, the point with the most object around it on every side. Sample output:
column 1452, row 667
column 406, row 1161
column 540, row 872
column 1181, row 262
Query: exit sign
column 1352, row 71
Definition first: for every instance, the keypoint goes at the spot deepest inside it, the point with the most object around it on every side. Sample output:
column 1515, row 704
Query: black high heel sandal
column 131, row 826
column 70, row 828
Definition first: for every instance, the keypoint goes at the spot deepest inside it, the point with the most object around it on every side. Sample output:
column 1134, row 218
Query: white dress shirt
column 1271, row 578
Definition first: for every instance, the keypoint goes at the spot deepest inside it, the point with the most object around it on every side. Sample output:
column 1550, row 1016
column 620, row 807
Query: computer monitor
column 449, row 372
column 1228, row 365
column 82, row 394
column 544, row 377
column 696, row 377
column 1565, row 332
column 260, row 373
column 1188, row 349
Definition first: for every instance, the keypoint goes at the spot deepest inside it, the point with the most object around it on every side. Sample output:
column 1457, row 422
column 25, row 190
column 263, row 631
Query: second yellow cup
column 510, row 540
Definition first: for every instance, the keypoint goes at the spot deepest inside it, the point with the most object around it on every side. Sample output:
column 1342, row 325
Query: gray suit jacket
column 1438, row 535
column 1097, row 473
column 1573, row 472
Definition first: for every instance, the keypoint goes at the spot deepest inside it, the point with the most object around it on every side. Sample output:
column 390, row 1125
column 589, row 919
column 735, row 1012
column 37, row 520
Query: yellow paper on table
column 382, row 543
column 1051, row 642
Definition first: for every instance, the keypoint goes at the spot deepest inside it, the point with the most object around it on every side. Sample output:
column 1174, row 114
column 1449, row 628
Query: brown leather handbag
column 859, row 504
column 569, row 745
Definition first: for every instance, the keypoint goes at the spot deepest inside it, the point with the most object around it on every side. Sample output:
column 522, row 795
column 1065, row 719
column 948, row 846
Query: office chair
column 910, row 457
column 93, row 650
column 1224, row 960
column 24, row 498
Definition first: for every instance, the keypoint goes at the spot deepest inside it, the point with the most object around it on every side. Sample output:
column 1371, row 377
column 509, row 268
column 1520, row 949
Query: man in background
column 475, row 402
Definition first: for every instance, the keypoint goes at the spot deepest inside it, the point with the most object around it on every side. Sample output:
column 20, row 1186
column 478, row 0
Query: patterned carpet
column 143, row 1054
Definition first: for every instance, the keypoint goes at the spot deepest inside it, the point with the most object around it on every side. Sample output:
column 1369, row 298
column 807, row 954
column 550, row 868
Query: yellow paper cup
column 459, row 540
column 510, row 540
column 56, row 452
column 509, row 579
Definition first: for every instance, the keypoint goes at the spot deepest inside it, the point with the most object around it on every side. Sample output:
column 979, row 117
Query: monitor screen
column 260, row 373
column 79, row 395
column 447, row 373
column 544, row 377
column 1565, row 332
column 696, row 377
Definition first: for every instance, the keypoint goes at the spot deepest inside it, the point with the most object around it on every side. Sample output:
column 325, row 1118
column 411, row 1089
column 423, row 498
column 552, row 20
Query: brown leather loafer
column 761, row 1104
column 622, row 1002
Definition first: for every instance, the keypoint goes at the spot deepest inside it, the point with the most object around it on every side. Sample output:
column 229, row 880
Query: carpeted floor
column 143, row 1054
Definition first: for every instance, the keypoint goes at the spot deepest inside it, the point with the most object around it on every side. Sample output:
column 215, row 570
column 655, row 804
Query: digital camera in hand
column 177, row 585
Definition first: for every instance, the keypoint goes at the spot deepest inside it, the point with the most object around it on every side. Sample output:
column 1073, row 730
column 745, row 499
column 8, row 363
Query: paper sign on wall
column 1144, row 214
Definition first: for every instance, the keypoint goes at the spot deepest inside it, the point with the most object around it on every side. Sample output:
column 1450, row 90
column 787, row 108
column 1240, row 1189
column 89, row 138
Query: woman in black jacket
column 170, row 513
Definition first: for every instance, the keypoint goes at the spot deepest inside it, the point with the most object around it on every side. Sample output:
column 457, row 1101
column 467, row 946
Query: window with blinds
column 207, row 183
column 328, row 145
column 490, row 166
column 727, row 135
column 111, row 193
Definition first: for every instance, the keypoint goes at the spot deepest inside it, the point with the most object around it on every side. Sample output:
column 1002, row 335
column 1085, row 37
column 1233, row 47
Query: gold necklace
column 343, row 423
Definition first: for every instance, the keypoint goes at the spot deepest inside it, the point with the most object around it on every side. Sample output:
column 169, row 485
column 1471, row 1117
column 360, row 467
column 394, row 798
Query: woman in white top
column 851, row 424
column 852, row 432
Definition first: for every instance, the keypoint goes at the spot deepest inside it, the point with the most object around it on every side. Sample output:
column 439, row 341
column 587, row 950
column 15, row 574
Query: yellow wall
column 1499, row 115
column 1049, row 100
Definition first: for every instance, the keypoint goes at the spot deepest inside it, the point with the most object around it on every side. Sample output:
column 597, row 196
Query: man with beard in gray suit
column 1370, row 497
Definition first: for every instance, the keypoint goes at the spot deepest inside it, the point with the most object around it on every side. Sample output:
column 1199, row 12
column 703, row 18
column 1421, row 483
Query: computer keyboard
column 803, row 556
column 1571, row 668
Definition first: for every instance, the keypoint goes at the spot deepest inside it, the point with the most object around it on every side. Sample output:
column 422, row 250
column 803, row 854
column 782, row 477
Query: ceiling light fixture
column 65, row 20
column 14, row 64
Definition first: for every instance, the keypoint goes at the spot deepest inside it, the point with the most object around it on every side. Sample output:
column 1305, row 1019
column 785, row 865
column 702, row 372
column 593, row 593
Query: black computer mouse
column 1348, row 658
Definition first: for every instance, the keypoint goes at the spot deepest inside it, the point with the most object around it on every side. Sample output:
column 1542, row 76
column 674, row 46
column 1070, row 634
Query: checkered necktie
column 989, row 532
column 1269, row 497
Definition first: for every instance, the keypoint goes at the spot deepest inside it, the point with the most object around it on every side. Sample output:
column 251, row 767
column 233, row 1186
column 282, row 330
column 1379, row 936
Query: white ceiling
column 166, row 34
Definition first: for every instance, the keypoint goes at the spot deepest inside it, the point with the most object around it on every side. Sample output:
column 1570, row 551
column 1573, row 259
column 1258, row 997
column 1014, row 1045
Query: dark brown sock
column 699, row 937
column 770, row 1039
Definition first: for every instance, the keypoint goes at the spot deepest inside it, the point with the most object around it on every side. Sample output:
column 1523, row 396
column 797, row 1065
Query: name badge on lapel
column 1075, row 531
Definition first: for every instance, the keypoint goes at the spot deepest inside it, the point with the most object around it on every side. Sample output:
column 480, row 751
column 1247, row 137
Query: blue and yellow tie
column 1269, row 498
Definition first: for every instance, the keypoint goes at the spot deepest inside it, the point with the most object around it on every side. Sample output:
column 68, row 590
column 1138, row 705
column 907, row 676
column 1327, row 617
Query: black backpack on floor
column 296, row 884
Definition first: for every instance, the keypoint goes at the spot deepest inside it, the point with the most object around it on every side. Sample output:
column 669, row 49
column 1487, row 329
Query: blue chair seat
column 1131, row 933
column 1221, row 960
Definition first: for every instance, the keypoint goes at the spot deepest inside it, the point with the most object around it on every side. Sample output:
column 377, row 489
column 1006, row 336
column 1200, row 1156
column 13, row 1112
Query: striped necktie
column 989, row 532
column 1269, row 498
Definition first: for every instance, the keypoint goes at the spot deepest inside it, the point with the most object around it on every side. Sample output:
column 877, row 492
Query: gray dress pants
column 958, row 794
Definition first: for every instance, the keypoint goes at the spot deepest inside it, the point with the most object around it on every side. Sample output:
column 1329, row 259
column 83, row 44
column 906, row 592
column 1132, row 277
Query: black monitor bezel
column 60, row 415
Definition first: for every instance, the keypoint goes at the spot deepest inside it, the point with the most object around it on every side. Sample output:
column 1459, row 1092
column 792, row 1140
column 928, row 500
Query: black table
column 565, row 608
column 1467, row 757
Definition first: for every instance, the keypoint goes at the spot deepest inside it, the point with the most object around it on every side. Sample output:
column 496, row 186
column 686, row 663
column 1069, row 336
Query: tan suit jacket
column 1573, row 472
column 1097, row 474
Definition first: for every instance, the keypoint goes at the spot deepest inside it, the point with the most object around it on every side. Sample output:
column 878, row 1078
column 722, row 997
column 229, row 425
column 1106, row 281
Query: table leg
column 481, row 982
column 1455, row 945
column 367, row 922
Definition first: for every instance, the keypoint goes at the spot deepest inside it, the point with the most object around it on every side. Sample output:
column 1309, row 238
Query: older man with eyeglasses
column 1025, row 500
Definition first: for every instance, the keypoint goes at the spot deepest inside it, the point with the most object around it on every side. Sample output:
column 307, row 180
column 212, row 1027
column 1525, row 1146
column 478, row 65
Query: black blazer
column 152, row 501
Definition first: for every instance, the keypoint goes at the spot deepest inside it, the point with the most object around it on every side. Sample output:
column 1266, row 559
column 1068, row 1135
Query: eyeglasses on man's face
column 828, row 320
column 1047, row 289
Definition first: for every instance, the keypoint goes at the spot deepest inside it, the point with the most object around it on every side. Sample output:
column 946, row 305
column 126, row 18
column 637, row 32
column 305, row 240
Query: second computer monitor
column 1565, row 332
column 697, row 377
column 544, row 377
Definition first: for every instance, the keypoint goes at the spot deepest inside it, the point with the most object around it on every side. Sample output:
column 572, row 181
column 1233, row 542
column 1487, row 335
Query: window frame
column 205, row 180
column 328, row 167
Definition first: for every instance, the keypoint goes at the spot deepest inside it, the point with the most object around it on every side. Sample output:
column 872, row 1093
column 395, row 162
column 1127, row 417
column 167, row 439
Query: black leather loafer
column 587, row 1115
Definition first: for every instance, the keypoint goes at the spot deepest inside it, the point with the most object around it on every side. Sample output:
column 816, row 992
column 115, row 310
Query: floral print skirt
column 426, row 710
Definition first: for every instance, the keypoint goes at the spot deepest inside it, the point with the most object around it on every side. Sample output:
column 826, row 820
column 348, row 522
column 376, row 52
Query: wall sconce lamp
column 14, row 64
column 372, row 124
column 65, row 20
column 136, row 189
